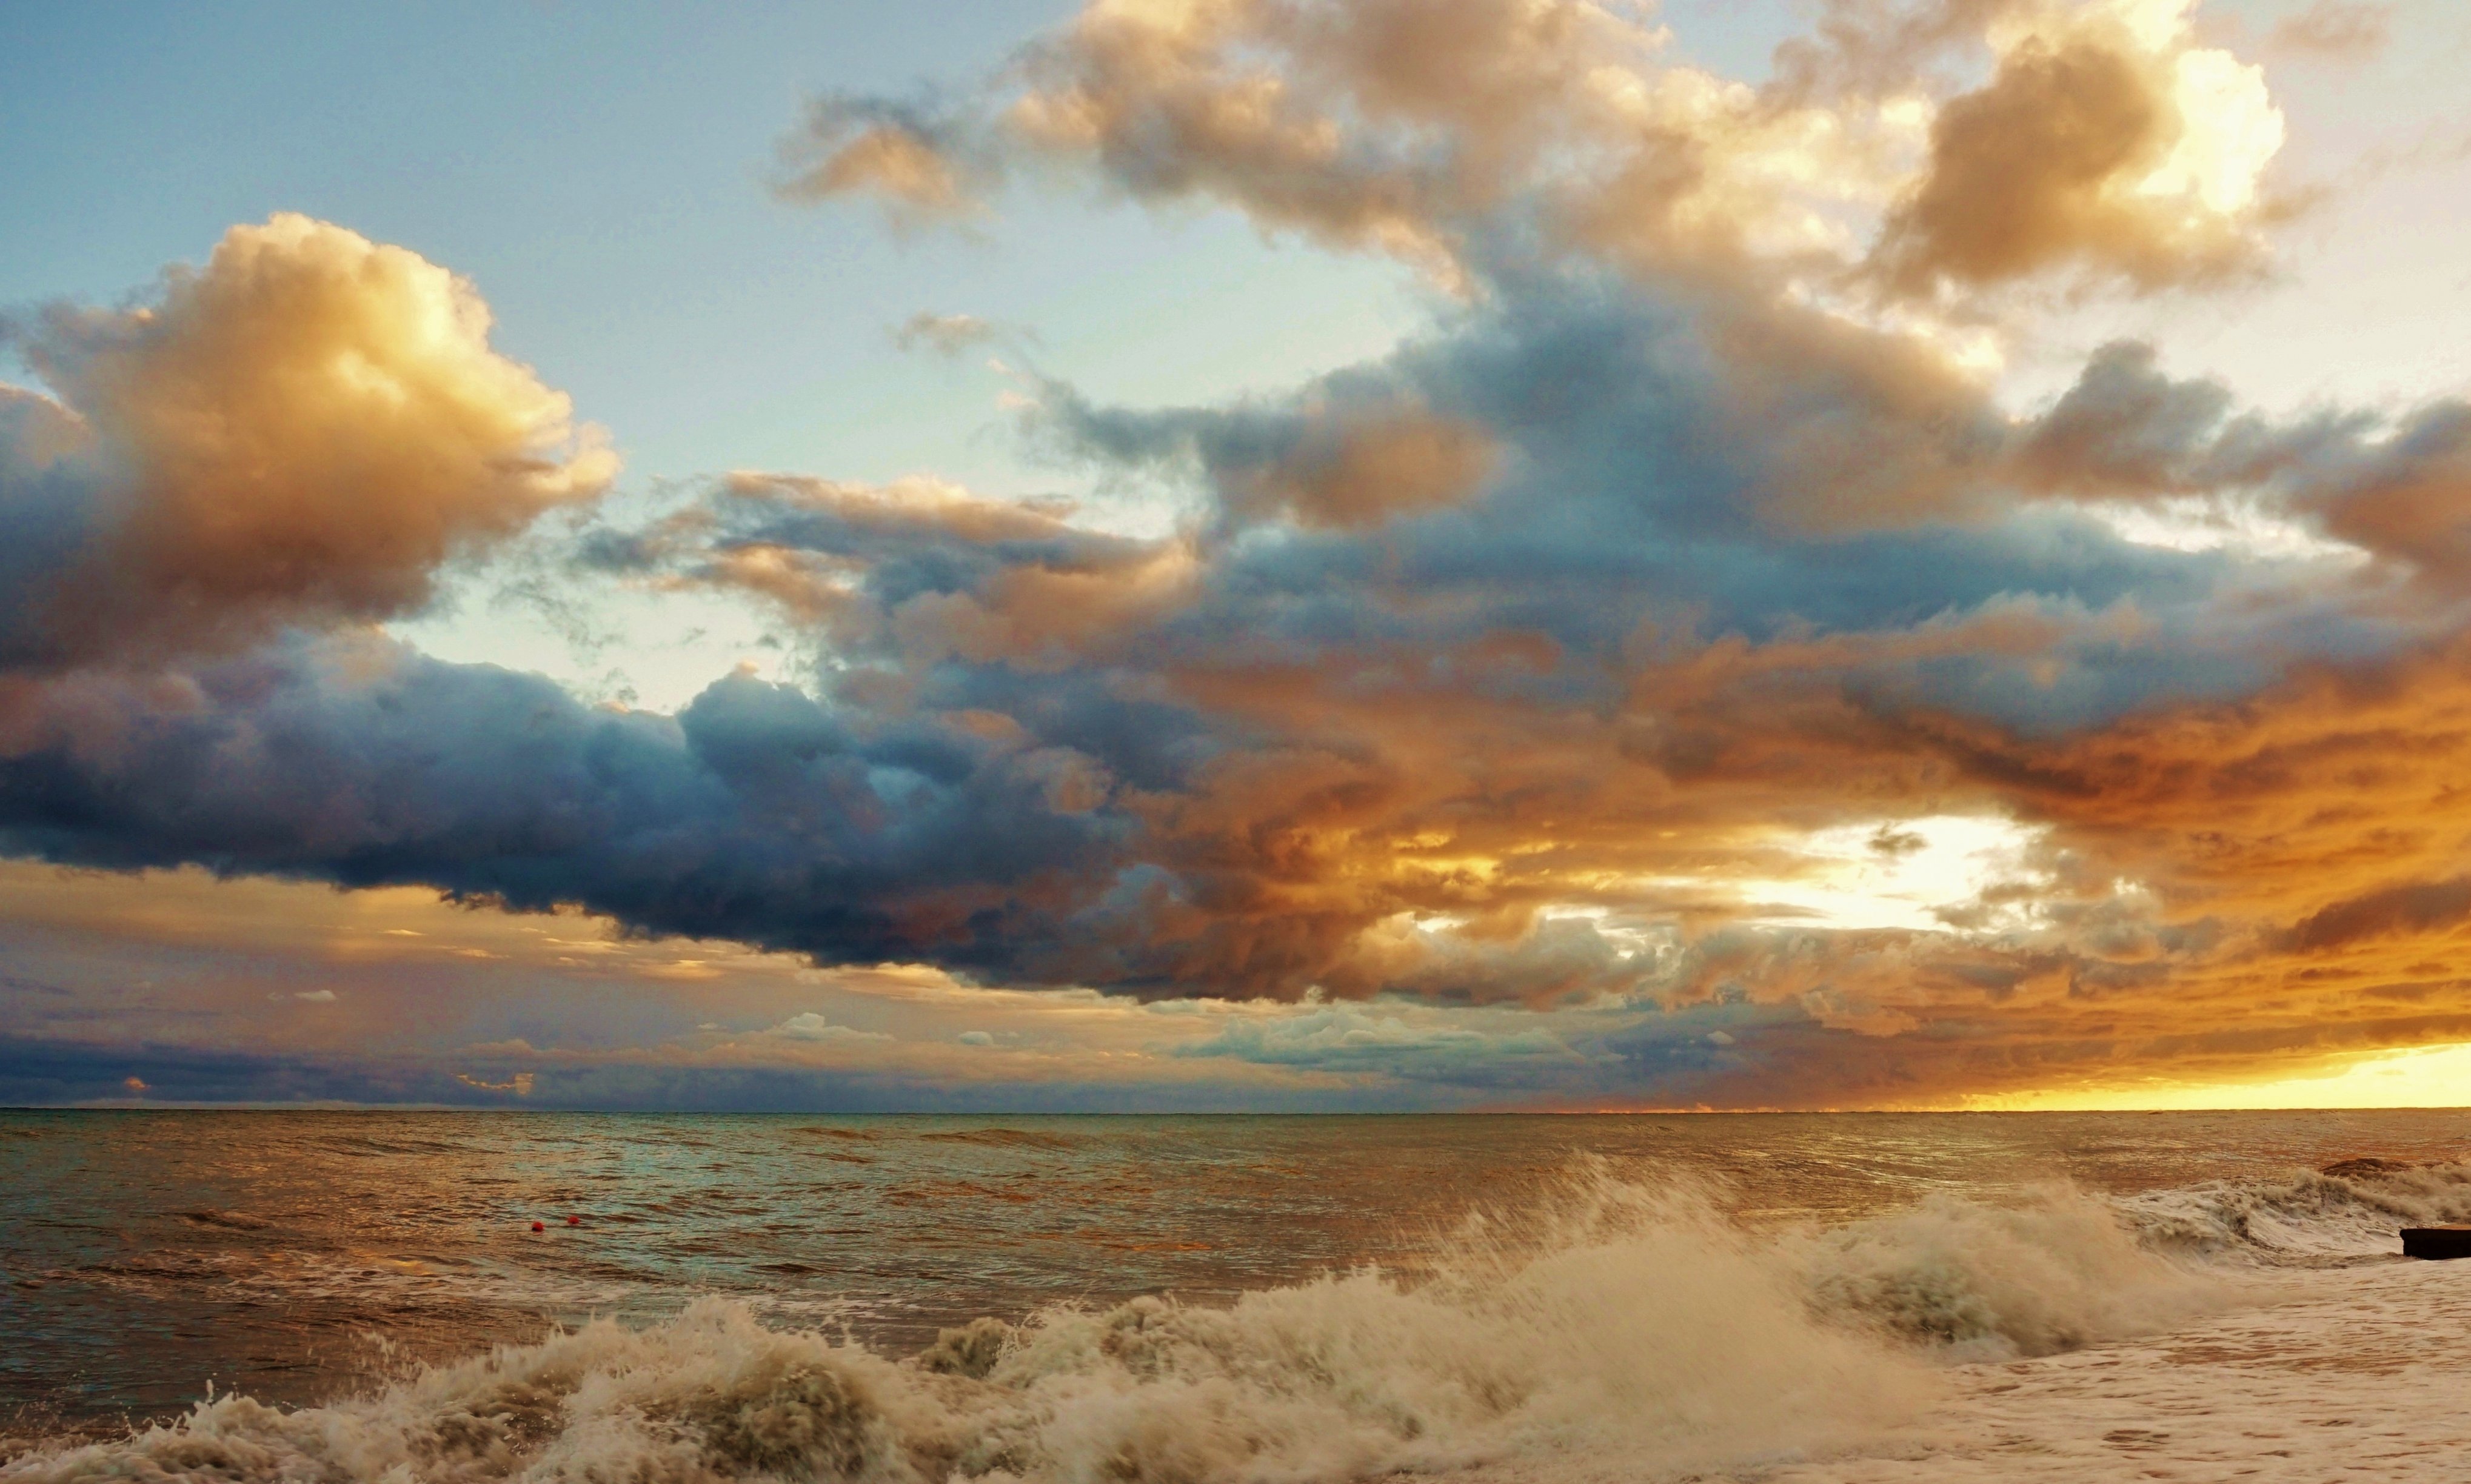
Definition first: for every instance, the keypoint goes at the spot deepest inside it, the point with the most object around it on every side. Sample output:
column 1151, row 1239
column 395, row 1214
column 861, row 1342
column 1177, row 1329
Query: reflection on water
column 296, row 1256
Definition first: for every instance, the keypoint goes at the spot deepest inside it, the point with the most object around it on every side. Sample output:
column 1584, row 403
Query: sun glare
column 2436, row 1076
column 1894, row 874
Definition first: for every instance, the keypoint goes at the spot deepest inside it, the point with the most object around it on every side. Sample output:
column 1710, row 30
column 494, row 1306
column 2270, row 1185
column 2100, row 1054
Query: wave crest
column 2350, row 1211
column 2054, row 1271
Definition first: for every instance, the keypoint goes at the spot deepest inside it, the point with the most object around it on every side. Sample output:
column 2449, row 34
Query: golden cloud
column 304, row 429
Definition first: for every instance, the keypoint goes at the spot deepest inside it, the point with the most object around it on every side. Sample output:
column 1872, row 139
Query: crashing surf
column 1602, row 1319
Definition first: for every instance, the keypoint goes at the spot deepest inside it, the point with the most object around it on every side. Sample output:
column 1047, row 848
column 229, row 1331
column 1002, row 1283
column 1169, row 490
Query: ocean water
column 342, row 1295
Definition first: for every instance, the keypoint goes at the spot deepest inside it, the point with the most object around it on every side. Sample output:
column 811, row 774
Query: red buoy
column 574, row 1220
column 538, row 1227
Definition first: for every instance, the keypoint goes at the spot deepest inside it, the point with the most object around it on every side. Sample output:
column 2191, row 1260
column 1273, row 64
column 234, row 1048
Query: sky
column 1237, row 555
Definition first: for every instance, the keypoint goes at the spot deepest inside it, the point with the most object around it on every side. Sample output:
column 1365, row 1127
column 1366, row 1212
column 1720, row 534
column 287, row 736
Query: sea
column 319, row 1297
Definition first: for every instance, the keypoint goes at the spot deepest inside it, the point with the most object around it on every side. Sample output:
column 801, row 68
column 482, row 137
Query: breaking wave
column 1601, row 1323
column 2058, row 1270
column 2350, row 1211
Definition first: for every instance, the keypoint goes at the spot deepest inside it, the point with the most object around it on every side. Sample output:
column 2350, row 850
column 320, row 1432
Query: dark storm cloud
column 755, row 813
column 2395, row 910
column 48, row 512
column 1626, row 502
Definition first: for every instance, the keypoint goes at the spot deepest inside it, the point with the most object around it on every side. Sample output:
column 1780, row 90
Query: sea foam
column 1599, row 1325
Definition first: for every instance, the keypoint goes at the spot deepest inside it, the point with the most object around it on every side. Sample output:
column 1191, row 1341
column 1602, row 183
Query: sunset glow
column 2434, row 1077
column 1523, row 554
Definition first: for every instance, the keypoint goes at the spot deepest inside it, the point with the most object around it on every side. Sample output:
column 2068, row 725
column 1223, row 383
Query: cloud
column 946, row 335
column 920, row 568
column 1352, row 453
column 1531, row 710
column 2333, row 29
column 53, row 1072
column 2390, row 911
column 1349, row 1039
column 2109, row 143
column 810, row 1026
column 2125, row 429
column 754, row 814
column 1537, row 743
column 920, row 161
column 1389, row 127
column 2379, row 487
column 2106, row 139
column 300, row 431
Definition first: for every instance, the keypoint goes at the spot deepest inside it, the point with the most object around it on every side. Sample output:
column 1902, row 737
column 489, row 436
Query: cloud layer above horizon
column 1679, row 674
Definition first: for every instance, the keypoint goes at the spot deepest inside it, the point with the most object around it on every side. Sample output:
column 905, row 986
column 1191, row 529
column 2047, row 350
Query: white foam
column 2355, row 1374
column 2306, row 1218
column 2055, row 1271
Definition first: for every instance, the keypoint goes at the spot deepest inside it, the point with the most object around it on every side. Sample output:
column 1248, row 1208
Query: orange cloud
column 922, row 173
column 2104, row 140
column 1361, row 469
column 301, row 431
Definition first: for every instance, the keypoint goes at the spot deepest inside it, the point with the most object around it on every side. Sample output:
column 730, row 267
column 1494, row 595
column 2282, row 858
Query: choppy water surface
column 301, row 1258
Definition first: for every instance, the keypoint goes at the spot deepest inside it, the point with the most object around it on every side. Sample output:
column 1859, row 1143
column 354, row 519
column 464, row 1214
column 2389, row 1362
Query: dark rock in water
column 2366, row 1168
column 2436, row 1242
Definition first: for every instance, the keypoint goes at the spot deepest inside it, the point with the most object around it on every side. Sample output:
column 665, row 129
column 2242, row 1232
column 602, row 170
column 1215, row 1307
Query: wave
column 1002, row 1138
column 228, row 1221
column 1611, row 1321
column 2054, row 1271
column 2062, row 1267
column 1591, row 1325
column 2350, row 1210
